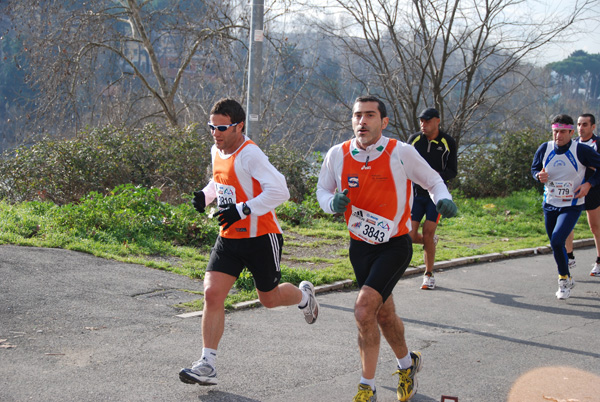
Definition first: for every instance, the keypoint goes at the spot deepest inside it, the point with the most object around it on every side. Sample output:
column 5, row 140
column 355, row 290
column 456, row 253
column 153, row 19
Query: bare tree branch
column 466, row 58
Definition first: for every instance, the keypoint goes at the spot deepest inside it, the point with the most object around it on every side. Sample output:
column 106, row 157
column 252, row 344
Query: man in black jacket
column 439, row 150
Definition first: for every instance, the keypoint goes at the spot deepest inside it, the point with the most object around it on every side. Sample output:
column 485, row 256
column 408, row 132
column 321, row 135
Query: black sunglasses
column 221, row 128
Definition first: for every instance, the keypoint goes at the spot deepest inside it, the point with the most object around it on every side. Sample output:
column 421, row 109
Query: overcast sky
column 536, row 10
column 588, row 41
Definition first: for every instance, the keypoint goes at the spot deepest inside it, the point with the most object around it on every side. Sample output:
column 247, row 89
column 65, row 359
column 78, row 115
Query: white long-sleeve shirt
column 252, row 163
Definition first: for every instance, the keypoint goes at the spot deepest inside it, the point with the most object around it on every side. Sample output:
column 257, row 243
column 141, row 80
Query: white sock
column 405, row 362
column 370, row 382
column 209, row 356
column 304, row 300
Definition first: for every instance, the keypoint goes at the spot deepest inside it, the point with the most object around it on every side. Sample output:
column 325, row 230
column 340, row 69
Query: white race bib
column 563, row 190
column 370, row 227
column 225, row 194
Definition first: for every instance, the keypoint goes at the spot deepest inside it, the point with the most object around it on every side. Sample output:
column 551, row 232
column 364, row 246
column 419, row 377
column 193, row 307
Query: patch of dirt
column 299, row 251
column 308, row 252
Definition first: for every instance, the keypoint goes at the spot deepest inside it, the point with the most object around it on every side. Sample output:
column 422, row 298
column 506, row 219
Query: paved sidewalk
column 74, row 327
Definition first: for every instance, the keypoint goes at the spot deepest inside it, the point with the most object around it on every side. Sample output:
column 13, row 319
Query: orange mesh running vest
column 371, row 187
column 246, row 188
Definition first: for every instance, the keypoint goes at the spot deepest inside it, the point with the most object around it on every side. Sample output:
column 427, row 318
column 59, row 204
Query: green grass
column 323, row 229
column 130, row 225
column 312, row 244
column 492, row 225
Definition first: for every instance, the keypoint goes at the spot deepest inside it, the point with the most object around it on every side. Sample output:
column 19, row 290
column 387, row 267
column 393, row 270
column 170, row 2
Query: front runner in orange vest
column 247, row 189
column 369, row 180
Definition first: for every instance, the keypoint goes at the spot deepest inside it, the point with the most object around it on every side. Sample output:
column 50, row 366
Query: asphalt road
column 74, row 327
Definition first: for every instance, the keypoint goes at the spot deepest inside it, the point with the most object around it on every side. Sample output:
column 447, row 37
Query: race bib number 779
column 563, row 190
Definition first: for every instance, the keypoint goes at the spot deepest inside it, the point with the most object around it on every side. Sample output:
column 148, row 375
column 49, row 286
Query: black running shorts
column 380, row 266
column 423, row 206
column 592, row 199
column 261, row 255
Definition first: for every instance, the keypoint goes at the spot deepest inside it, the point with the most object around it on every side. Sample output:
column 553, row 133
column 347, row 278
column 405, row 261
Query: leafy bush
column 176, row 160
column 498, row 168
column 135, row 214
column 129, row 215
column 63, row 171
column 299, row 173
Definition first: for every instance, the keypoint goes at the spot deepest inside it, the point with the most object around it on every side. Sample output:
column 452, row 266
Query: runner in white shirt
column 561, row 164
column 247, row 189
column 369, row 180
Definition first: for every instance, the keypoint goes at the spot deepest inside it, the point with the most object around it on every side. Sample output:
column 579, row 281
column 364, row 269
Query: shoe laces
column 364, row 393
column 202, row 366
column 404, row 374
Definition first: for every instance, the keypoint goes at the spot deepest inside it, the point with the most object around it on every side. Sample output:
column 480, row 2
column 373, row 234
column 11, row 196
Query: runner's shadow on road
column 594, row 281
column 417, row 398
column 510, row 300
column 217, row 396
column 341, row 308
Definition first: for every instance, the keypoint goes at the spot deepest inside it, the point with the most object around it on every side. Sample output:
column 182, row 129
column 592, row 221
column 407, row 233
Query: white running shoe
column 311, row 310
column 596, row 270
column 570, row 282
column 201, row 373
column 572, row 264
column 428, row 282
column 564, row 291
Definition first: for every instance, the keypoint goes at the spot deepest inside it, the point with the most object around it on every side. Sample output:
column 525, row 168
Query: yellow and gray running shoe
column 365, row 394
column 407, row 383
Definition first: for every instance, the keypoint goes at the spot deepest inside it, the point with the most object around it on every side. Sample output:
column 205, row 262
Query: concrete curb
column 457, row 262
column 441, row 265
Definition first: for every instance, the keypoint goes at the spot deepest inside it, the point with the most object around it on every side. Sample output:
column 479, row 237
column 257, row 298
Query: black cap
column 429, row 113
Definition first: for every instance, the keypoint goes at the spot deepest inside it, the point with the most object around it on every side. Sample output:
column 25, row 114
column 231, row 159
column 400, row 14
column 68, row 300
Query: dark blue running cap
column 429, row 113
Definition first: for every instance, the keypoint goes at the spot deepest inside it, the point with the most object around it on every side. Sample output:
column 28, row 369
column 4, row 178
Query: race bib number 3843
column 370, row 227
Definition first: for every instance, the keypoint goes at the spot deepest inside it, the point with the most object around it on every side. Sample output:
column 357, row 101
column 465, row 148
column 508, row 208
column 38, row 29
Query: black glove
column 228, row 215
column 199, row 202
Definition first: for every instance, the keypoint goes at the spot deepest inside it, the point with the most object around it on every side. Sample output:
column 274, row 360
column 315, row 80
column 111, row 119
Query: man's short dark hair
column 230, row 108
column 371, row 98
column 591, row 116
column 563, row 119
